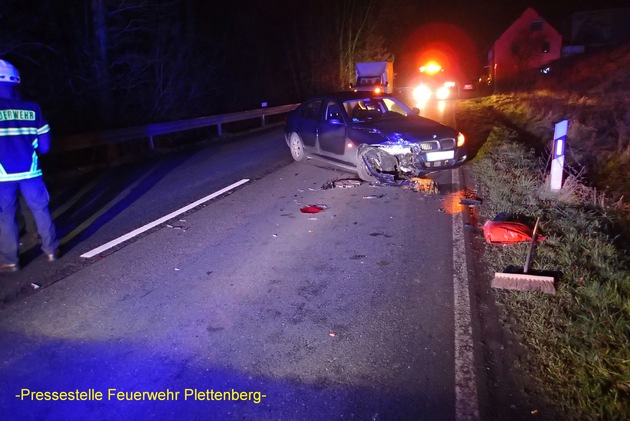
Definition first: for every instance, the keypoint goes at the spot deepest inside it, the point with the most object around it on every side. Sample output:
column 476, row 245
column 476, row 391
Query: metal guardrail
column 89, row 140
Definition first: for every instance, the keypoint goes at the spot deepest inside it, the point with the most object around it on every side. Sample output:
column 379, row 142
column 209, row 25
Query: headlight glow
column 422, row 93
column 442, row 93
column 460, row 139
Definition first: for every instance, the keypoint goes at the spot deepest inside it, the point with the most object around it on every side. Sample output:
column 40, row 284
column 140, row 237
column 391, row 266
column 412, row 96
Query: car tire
column 362, row 169
column 297, row 147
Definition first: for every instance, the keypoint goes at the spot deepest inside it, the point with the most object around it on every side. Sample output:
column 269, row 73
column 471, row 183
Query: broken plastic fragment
column 469, row 202
column 312, row 209
column 328, row 185
column 347, row 183
column 423, row 185
column 35, row 286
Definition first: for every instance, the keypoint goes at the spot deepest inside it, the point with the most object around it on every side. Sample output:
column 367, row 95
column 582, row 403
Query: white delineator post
column 557, row 153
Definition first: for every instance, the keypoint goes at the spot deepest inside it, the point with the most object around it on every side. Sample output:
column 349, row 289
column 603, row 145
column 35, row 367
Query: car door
column 332, row 130
column 310, row 118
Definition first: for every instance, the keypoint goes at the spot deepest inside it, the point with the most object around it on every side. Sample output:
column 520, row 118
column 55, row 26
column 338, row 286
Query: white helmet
column 8, row 73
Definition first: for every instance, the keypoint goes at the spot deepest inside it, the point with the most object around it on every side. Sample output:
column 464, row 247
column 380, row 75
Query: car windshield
column 371, row 108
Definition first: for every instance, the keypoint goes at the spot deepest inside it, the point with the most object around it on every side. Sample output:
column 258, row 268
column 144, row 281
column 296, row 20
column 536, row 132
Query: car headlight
column 421, row 93
column 460, row 139
column 442, row 93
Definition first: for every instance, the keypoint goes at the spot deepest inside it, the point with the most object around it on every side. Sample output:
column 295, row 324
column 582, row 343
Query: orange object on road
column 506, row 232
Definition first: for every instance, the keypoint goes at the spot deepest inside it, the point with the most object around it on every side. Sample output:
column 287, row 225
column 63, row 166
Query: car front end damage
column 398, row 159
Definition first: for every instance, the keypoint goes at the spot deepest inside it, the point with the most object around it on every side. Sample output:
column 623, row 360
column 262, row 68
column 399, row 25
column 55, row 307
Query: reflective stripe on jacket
column 21, row 124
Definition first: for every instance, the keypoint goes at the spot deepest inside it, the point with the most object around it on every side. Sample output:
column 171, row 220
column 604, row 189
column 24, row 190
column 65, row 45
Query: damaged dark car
column 375, row 135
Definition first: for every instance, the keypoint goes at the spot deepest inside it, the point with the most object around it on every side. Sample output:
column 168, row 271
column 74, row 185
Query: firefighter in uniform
column 23, row 134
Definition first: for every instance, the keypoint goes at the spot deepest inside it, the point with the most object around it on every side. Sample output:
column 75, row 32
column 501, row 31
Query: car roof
column 348, row 95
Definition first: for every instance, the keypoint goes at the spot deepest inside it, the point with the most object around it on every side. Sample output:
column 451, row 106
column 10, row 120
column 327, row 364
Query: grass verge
column 578, row 339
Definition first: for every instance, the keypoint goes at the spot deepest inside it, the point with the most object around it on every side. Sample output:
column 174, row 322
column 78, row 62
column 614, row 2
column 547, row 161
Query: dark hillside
column 592, row 91
column 604, row 71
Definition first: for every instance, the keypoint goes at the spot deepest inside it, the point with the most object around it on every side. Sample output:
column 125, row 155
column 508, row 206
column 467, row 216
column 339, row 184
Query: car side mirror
column 416, row 110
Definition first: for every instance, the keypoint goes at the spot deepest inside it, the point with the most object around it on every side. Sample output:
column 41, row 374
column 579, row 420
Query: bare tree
column 356, row 27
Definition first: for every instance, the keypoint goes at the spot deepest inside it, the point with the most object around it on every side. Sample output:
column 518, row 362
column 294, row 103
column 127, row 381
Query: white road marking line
column 163, row 219
column 466, row 406
column 85, row 224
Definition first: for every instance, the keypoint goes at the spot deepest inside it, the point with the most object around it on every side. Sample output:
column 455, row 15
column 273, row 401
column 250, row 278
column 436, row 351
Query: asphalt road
column 345, row 314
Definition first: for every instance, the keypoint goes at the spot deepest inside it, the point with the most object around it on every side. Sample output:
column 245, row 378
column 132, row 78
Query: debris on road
column 423, row 185
column 178, row 227
column 469, row 202
column 347, row 183
column 35, row 286
column 313, row 208
column 343, row 183
column 374, row 196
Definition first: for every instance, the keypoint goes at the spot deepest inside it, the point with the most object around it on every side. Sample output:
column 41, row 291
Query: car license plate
column 438, row 156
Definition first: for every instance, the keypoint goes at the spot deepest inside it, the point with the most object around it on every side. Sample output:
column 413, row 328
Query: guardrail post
column 557, row 162
column 151, row 145
column 262, row 117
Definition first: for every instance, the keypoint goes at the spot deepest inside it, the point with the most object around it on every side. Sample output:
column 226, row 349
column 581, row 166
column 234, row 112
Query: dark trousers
column 36, row 196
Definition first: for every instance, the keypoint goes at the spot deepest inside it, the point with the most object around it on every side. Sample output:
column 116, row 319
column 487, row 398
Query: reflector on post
column 557, row 162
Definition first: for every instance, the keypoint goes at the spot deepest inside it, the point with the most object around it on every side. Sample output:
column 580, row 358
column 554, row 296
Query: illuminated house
column 526, row 46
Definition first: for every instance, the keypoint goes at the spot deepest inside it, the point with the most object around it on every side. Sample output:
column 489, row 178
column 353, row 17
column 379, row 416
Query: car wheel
column 362, row 169
column 297, row 147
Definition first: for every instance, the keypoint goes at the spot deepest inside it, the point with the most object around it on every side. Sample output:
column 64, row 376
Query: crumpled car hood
column 407, row 129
